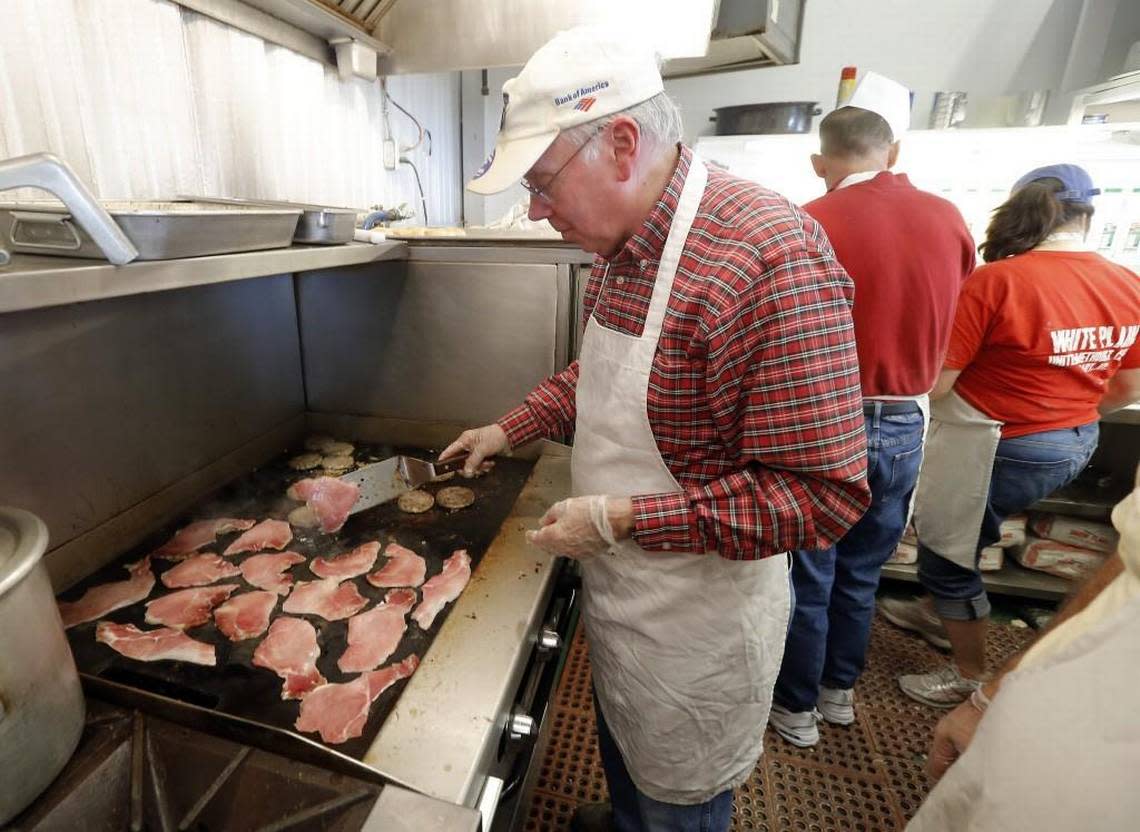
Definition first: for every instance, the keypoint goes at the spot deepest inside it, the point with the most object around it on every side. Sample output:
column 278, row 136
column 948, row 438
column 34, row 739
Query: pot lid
column 23, row 539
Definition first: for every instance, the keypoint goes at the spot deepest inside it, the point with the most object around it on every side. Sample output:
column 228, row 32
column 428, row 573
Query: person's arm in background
column 954, row 731
column 1123, row 390
column 972, row 318
column 945, row 383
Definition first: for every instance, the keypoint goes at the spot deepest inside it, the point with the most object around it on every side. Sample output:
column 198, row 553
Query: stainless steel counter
column 32, row 282
column 443, row 734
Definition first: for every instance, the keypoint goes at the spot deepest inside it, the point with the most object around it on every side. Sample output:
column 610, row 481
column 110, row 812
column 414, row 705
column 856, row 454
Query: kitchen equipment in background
column 773, row 117
column 41, row 704
column 319, row 224
column 949, row 110
column 386, row 480
column 50, row 173
column 1025, row 109
column 157, row 230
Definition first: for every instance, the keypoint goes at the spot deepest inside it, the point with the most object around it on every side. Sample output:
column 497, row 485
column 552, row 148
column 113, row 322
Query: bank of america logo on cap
column 585, row 104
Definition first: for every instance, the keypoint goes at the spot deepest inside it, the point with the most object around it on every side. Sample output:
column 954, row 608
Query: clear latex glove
column 578, row 527
column 478, row 444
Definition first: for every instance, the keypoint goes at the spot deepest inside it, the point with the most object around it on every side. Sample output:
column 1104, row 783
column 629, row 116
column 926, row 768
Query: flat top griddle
column 235, row 687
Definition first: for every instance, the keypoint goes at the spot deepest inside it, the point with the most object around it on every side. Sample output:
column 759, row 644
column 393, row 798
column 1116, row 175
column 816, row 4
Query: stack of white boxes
column 1012, row 535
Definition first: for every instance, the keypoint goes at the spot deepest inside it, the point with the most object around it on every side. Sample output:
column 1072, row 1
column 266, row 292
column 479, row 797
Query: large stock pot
column 41, row 703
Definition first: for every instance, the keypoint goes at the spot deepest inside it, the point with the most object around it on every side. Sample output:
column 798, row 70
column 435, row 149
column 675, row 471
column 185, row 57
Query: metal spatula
column 388, row 479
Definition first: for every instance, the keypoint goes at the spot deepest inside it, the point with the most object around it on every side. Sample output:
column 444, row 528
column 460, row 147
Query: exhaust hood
column 1117, row 100
column 695, row 36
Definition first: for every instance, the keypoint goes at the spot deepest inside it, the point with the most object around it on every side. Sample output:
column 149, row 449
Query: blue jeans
column 637, row 812
column 1026, row 469
column 835, row 587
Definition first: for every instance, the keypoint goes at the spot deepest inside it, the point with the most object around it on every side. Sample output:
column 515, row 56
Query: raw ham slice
column 199, row 570
column 246, row 615
column 187, row 608
column 100, row 600
column 374, row 635
column 267, row 571
column 154, row 645
column 404, row 568
column 339, row 712
column 268, row 534
column 348, row 565
column 290, row 650
column 331, row 599
column 330, row 498
column 190, row 539
column 443, row 588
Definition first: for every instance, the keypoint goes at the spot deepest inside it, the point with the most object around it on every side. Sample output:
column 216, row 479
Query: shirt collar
column 648, row 241
column 856, row 178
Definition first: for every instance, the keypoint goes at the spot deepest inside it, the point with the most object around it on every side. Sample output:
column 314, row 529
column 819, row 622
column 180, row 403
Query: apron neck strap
column 683, row 217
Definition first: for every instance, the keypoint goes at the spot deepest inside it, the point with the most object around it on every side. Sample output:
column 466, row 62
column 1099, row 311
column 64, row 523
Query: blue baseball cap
column 1078, row 185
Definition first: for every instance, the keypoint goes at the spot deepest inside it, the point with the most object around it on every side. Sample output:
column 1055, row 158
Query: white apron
column 1059, row 748
column 954, row 481
column 684, row 648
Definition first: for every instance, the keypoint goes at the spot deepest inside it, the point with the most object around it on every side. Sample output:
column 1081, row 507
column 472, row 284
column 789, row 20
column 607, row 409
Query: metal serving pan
column 319, row 225
column 159, row 230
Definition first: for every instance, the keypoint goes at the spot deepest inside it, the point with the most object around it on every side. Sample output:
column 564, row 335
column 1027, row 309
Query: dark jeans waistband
column 870, row 408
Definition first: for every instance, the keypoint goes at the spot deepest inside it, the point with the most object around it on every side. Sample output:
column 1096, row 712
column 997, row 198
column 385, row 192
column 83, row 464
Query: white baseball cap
column 885, row 97
column 580, row 75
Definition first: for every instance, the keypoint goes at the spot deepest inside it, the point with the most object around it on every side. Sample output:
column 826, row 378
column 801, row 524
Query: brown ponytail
column 1030, row 215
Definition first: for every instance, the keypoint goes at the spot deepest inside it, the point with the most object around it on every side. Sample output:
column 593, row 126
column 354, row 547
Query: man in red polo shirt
column 907, row 252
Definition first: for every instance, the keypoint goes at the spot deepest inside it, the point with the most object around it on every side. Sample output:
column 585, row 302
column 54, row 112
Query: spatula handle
column 453, row 464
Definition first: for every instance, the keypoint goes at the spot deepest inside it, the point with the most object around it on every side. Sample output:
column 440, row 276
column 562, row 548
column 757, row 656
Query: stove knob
column 521, row 725
column 549, row 641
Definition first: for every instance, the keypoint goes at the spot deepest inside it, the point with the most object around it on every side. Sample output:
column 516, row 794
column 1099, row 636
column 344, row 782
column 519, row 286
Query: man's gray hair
column 658, row 117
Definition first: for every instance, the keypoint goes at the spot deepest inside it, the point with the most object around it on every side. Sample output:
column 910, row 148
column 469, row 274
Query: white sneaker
column 914, row 616
column 800, row 728
column 944, row 688
column 837, row 705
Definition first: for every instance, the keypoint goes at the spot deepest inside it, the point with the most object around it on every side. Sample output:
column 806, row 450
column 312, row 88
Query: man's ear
column 892, row 155
column 819, row 165
column 625, row 145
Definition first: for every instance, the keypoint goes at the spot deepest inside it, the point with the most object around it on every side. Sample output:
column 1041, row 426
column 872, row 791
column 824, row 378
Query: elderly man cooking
column 716, row 415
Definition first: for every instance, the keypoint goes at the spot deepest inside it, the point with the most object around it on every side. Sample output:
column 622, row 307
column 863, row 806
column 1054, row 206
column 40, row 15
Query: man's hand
column 951, row 736
column 581, row 527
column 478, row 444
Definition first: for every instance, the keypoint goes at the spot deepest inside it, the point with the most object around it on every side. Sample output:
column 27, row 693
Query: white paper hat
column 580, row 75
column 888, row 98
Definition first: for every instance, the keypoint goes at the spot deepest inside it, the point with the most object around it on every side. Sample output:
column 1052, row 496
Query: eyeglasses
column 543, row 192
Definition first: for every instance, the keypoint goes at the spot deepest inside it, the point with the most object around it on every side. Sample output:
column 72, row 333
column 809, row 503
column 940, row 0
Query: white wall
column 146, row 99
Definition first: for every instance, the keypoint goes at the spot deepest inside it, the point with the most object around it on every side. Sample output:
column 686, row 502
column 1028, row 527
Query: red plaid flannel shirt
column 754, row 392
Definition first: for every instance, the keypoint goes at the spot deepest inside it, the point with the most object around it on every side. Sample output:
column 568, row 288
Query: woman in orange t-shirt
column 1043, row 342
